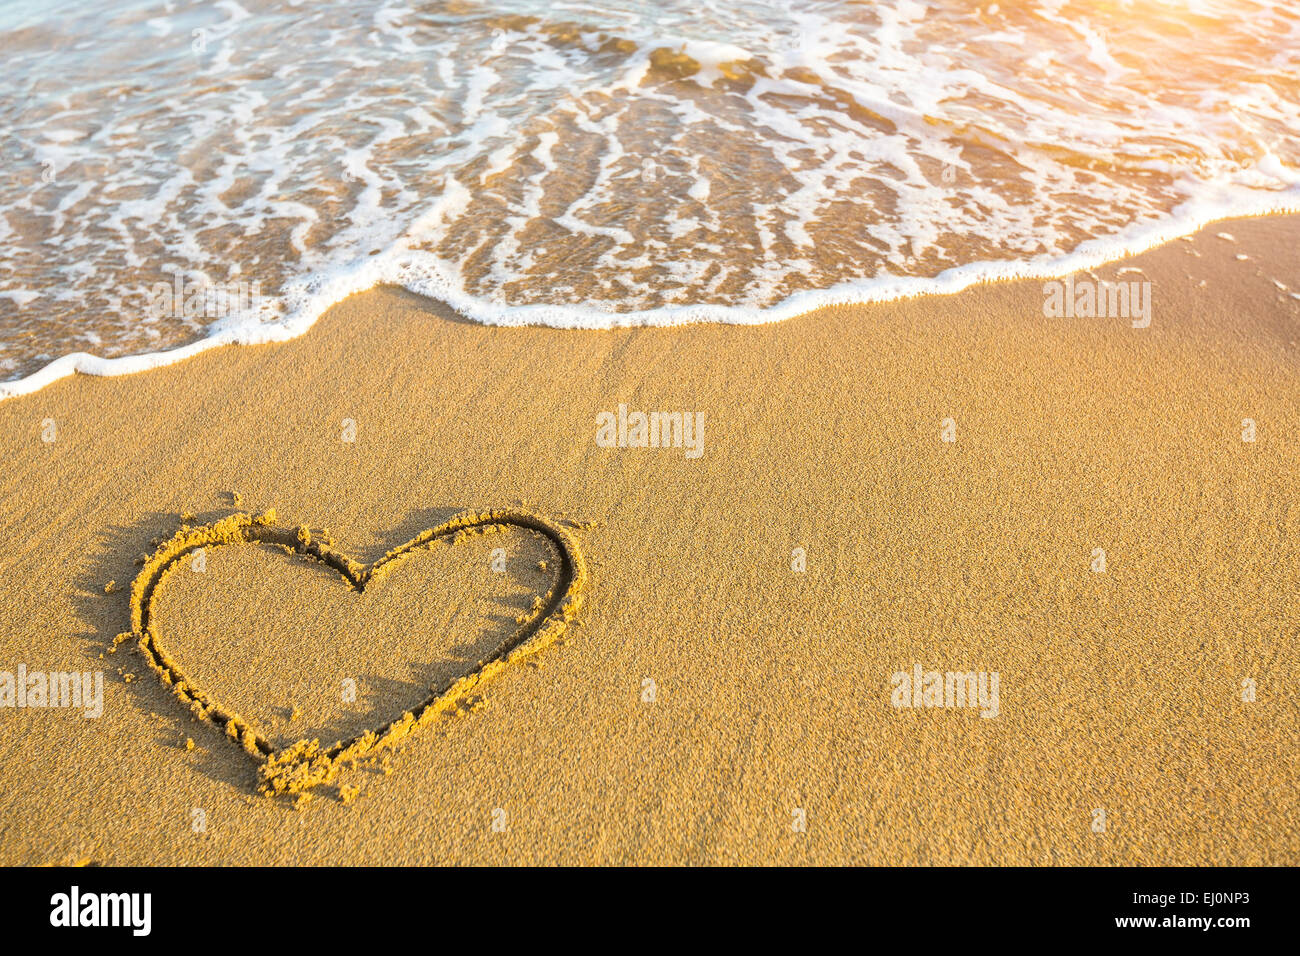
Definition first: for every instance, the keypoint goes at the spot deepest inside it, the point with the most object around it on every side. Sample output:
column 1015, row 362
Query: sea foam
column 558, row 164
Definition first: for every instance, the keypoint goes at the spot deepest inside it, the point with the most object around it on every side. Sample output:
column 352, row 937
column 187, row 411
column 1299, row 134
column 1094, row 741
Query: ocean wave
column 585, row 167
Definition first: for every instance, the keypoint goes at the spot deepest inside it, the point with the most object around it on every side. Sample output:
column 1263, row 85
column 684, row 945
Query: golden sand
column 725, row 694
column 305, row 764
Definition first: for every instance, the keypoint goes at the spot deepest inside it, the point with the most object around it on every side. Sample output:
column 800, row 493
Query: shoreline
column 366, row 276
column 726, row 695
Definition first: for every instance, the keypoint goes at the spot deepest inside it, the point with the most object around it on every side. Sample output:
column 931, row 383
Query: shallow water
column 227, row 170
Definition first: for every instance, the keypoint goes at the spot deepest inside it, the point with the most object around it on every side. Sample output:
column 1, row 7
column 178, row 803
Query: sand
column 711, row 703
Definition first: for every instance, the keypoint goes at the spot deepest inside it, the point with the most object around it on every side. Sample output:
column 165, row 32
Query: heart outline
column 300, row 766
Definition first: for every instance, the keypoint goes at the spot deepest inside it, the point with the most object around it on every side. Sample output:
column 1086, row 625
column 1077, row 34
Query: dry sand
column 1119, row 690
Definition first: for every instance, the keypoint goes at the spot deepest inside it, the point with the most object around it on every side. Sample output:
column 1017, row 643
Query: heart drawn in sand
column 305, row 764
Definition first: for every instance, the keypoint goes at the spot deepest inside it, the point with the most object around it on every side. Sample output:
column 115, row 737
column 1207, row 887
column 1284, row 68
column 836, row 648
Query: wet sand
column 712, row 703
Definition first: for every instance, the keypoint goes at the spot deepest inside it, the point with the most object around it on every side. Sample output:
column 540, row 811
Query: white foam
column 428, row 276
column 20, row 297
column 811, row 147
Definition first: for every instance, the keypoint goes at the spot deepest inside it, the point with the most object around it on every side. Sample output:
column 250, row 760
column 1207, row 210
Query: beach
column 1098, row 519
